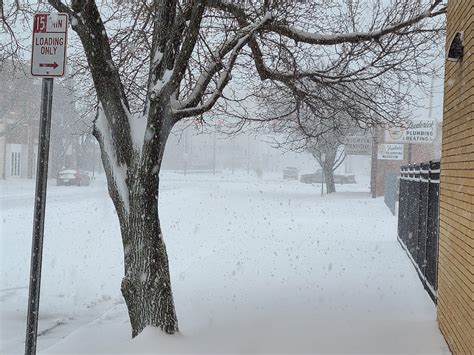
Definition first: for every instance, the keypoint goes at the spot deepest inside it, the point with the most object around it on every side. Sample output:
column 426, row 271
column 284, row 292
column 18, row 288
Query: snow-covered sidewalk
column 258, row 266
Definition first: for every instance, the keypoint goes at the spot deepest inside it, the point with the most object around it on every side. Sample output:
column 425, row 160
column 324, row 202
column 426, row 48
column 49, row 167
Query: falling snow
column 336, row 281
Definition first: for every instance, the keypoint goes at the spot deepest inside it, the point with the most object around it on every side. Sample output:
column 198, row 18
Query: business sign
column 358, row 145
column 416, row 132
column 390, row 152
column 48, row 57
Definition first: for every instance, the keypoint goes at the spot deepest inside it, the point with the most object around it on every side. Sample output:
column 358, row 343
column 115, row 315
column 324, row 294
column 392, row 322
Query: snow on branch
column 174, row 39
column 190, row 107
column 105, row 137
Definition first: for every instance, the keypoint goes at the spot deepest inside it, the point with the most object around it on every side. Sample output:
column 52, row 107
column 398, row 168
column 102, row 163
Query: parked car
column 290, row 173
column 317, row 178
column 314, row 178
column 72, row 177
column 344, row 179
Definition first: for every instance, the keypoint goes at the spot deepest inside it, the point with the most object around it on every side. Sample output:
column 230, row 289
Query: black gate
column 418, row 219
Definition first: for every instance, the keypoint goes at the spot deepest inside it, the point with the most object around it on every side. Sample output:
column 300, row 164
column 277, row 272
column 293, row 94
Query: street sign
column 48, row 60
column 416, row 132
column 358, row 145
column 390, row 152
column 48, row 55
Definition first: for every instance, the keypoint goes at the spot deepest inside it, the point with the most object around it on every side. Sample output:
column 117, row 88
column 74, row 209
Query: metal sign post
column 38, row 220
column 48, row 60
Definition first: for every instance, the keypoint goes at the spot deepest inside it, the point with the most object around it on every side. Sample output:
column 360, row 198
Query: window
column 16, row 164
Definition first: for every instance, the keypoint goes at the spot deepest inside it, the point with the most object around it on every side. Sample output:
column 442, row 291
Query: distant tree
column 155, row 63
column 319, row 131
column 329, row 153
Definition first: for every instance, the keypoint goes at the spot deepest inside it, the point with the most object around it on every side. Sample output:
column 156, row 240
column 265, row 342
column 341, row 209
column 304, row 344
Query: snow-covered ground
column 258, row 266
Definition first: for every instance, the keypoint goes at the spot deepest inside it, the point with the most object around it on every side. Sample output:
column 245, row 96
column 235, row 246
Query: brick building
column 19, row 113
column 456, row 240
column 19, row 124
column 419, row 153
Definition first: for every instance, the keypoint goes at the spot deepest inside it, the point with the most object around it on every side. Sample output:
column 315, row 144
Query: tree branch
column 355, row 37
column 87, row 22
column 233, row 46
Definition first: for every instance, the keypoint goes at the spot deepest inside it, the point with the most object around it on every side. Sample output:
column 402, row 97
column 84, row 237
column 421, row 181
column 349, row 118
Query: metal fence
column 390, row 196
column 418, row 219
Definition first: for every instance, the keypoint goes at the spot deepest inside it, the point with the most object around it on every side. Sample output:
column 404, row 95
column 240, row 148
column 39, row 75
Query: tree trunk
column 328, row 167
column 329, row 180
column 146, row 285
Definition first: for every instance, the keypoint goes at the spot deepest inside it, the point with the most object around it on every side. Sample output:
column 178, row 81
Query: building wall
column 20, row 97
column 456, row 244
column 420, row 153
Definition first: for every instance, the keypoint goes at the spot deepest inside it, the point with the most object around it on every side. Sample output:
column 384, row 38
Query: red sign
column 48, row 55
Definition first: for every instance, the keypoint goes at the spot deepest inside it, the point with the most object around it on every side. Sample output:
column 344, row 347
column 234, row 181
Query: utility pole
column 214, row 155
column 185, row 154
column 430, row 111
column 410, row 152
column 373, row 164
column 93, row 160
column 257, row 155
column 248, row 154
column 323, row 163
column 29, row 172
column 3, row 138
column 233, row 153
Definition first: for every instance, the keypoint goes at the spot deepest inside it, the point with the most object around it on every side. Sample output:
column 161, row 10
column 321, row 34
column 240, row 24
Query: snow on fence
column 418, row 220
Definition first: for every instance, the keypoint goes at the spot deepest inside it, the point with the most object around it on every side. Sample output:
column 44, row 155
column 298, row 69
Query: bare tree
column 329, row 153
column 319, row 130
column 154, row 63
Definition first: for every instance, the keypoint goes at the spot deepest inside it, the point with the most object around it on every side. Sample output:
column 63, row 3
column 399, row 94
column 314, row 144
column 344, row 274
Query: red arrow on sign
column 49, row 65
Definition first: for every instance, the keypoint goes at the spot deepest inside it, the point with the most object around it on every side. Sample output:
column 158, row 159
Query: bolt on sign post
column 48, row 60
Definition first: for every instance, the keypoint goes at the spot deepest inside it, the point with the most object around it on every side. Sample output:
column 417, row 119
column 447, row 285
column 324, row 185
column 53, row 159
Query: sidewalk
column 258, row 266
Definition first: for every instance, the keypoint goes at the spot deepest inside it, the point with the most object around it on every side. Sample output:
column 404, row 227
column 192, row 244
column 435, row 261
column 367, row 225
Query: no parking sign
column 48, row 60
column 48, row 55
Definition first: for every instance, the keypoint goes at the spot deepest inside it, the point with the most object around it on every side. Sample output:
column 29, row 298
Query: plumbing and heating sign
column 416, row 132
column 48, row 58
column 390, row 152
